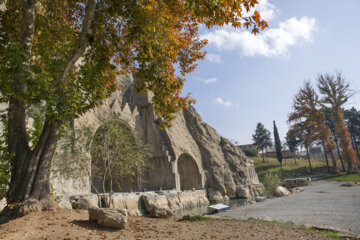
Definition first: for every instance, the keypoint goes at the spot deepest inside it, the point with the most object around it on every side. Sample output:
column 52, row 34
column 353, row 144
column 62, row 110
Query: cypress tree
column 278, row 147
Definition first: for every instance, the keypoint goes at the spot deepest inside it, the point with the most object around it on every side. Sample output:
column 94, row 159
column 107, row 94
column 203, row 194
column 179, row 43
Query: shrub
column 271, row 180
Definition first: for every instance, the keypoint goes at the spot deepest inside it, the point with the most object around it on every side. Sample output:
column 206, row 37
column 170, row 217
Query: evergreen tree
column 352, row 119
column 278, row 146
column 262, row 138
column 293, row 140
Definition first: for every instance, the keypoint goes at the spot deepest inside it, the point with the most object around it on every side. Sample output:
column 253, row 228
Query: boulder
column 161, row 213
column 297, row 182
column 84, row 201
column 152, row 201
column 64, row 202
column 109, row 217
column 129, row 201
column 281, row 191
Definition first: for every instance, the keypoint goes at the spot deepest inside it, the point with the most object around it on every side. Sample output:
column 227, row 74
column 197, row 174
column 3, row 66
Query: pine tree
column 262, row 138
column 278, row 146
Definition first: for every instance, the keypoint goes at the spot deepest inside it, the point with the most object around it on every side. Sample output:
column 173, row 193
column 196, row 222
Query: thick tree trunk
column 30, row 176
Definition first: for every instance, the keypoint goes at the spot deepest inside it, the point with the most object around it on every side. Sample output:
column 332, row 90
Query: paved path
column 324, row 204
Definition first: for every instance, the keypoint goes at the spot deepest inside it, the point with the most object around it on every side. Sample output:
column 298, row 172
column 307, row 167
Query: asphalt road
column 324, row 204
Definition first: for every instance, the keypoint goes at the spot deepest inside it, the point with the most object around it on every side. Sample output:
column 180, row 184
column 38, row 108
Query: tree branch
column 83, row 40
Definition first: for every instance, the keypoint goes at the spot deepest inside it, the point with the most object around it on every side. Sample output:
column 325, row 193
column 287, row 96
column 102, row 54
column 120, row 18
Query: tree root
column 15, row 210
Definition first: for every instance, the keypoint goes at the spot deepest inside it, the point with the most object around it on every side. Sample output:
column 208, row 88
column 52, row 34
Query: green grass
column 329, row 233
column 289, row 169
column 200, row 218
column 354, row 177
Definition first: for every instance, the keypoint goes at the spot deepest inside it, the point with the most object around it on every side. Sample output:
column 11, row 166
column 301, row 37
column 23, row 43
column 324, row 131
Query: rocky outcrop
column 109, row 217
column 229, row 173
column 190, row 155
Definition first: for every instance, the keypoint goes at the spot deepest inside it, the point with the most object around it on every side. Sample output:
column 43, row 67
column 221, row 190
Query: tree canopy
column 262, row 138
column 71, row 50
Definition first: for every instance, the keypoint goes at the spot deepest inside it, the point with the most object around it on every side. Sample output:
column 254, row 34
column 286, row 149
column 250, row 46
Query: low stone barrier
column 141, row 203
column 296, row 182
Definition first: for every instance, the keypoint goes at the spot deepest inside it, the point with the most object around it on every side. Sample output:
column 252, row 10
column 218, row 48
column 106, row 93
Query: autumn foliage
column 308, row 118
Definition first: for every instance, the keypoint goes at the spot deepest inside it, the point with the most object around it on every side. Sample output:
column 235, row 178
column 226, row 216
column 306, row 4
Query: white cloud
column 205, row 81
column 213, row 58
column 271, row 43
column 266, row 9
column 210, row 80
column 220, row 101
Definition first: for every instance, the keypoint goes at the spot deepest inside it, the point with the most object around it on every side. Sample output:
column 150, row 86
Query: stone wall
column 139, row 204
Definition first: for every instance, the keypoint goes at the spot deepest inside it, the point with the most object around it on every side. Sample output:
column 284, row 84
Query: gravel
column 324, row 204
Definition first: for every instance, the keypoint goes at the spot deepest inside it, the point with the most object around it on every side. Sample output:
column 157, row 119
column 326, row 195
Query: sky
column 246, row 79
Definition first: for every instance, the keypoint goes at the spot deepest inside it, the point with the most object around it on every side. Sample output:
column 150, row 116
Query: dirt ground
column 74, row 224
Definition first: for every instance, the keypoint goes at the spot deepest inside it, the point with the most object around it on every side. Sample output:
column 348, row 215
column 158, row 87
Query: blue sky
column 246, row 79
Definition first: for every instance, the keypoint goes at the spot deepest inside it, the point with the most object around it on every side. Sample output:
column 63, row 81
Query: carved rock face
column 189, row 155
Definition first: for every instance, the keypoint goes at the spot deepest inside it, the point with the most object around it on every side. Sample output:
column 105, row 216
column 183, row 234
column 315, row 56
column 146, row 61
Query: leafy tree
column 352, row 119
column 330, row 122
column 62, row 57
column 306, row 110
column 278, row 147
column 262, row 138
column 336, row 92
column 293, row 141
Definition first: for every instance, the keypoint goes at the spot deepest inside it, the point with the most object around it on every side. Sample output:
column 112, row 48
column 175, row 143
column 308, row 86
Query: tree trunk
column 294, row 156
column 308, row 157
column 263, row 157
column 30, row 175
column 356, row 147
column 326, row 158
column 29, row 188
column 338, row 151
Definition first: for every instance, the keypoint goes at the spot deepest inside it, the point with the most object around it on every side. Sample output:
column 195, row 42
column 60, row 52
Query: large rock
column 161, row 213
column 108, row 217
column 129, row 201
column 173, row 200
column 84, row 201
column 296, row 182
column 281, row 191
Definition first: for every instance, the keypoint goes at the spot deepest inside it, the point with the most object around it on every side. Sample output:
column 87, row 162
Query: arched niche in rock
column 190, row 177
column 120, row 182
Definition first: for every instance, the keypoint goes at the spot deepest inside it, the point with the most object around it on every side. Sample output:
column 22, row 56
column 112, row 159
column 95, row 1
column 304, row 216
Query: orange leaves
column 256, row 17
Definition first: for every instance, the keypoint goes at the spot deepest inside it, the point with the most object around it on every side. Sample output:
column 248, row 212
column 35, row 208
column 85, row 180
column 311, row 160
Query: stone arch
column 189, row 173
column 120, row 184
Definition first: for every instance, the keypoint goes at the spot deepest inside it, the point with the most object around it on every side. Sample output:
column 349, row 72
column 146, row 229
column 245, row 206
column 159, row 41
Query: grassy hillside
column 290, row 169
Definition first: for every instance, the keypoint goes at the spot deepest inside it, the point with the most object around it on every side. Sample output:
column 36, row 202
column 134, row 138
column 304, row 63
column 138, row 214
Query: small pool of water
column 205, row 210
